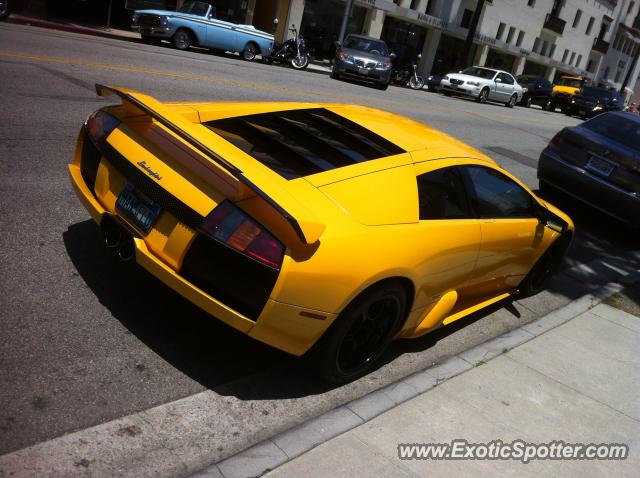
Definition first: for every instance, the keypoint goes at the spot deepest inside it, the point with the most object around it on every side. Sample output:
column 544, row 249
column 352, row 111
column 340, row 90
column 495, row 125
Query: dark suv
column 365, row 59
column 592, row 101
column 538, row 91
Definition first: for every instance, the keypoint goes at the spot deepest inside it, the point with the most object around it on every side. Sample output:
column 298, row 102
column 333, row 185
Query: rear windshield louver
column 303, row 142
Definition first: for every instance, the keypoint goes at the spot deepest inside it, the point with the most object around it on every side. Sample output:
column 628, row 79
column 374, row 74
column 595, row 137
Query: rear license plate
column 599, row 166
column 138, row 207
column 363, row 71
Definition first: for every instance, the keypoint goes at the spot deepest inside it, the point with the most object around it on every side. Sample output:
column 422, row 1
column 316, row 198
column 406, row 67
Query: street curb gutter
column 277, row 450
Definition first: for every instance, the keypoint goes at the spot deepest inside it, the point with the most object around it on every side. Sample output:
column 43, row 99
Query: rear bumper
column 279, row 325
column 588, row 188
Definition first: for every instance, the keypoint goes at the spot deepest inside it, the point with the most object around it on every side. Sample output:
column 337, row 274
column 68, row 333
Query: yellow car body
column 344, row 229
column 564, row 89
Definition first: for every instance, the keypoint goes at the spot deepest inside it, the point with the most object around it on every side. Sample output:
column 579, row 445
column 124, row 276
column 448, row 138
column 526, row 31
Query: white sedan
column 483, row 84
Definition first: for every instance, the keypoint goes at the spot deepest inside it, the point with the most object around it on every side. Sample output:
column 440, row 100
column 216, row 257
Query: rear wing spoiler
column 303, row 221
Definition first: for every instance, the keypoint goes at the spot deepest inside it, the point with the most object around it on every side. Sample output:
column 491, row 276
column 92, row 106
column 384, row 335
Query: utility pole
column 468, row 43
column 345, row 20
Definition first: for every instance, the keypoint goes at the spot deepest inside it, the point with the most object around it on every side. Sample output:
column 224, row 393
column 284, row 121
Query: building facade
column 597, row 39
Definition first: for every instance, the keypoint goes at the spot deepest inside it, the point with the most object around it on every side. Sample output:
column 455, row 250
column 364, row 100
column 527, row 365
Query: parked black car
column 592, row 101
column 598, row 163
column 538, row 91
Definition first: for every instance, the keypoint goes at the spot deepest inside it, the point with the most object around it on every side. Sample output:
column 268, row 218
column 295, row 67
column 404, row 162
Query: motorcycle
column 408, row 75
column 291, row 51
column 5, row 9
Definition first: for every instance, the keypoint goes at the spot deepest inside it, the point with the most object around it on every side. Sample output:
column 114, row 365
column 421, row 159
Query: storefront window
column 449, row 55
column 499, row 61
column 321, row 22
column 406, row 40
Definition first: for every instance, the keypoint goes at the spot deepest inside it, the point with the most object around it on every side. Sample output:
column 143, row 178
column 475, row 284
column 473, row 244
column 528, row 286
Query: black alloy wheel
column 362, row 333
column 544, row 269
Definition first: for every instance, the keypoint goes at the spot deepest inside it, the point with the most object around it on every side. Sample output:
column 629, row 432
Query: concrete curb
column 275, row 451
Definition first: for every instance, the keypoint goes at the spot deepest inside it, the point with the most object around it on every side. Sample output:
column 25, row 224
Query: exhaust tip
column 112, row 237
column 126, row 251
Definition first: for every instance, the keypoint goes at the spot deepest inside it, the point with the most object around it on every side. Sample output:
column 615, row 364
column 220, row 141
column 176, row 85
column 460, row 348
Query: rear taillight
column 557, row 139
column 100, row 125
column 229, row 225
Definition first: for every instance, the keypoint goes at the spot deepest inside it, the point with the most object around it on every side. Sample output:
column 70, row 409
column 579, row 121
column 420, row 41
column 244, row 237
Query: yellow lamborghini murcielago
column 325, row 227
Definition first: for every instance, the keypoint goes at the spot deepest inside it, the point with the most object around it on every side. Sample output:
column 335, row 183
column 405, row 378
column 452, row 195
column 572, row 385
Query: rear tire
column 512, row 101
column 181, row 39
column 527, row 102
column 249, row 52
column 362, row 332
column 544, row 269
column 300, row 62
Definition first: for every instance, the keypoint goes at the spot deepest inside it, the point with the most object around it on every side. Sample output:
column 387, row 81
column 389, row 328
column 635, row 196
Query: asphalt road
column 86, row 338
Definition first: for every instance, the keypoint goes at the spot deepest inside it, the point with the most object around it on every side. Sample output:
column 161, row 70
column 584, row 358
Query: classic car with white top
column 483, row 84
column 195, row 24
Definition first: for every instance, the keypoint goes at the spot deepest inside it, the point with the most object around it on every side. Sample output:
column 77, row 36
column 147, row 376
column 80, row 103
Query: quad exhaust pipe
column 123, row 244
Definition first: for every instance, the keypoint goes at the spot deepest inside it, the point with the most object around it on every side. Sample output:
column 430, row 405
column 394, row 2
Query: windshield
column 572, row 82
column 598, row 93
column 366, row 44
column 616, row 127
column 479, row 72
column 195, row 8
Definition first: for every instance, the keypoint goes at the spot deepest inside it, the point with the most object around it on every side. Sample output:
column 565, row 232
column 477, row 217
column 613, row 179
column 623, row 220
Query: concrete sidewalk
column 578, row 382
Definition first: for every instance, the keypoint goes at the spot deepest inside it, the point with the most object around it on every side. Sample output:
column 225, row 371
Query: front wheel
column 512, row 101
column 181, row 39
column 361, row 334
column 527, row 102
column 250, row 51
column 416, row 82
column 544, row 269
column 483, row 96
column 300, row 62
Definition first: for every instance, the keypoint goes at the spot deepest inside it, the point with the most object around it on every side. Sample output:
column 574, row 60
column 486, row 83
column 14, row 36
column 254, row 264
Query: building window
column 618, row 75
column 467, row 15
column 564, row 55
column 531, row 3
column 414, row 4
column 552, row 50
column 573, row 57
column 590, row 25
column 501, row 28
column 591, row 65
column 536, row 44
column 543, row 48
column 578, row 61
column 606, row 72
column 429, row 9
column 631, row 5
column 576, row 19
column 512, row 32
column 520, row 38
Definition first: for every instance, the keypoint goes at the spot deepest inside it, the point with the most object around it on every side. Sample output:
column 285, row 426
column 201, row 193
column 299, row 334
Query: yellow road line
column 255, row 86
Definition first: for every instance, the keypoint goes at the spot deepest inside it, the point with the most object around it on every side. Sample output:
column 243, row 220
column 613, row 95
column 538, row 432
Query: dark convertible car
column 598, row 163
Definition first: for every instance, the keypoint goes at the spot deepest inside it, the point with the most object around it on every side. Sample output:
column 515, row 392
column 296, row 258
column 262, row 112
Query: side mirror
column 419, row 55
column 549, row 219
column 498, row 80
column 393, row 56
column 459, row 71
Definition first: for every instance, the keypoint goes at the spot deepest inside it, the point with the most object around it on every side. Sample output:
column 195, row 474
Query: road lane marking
column 256, row 86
